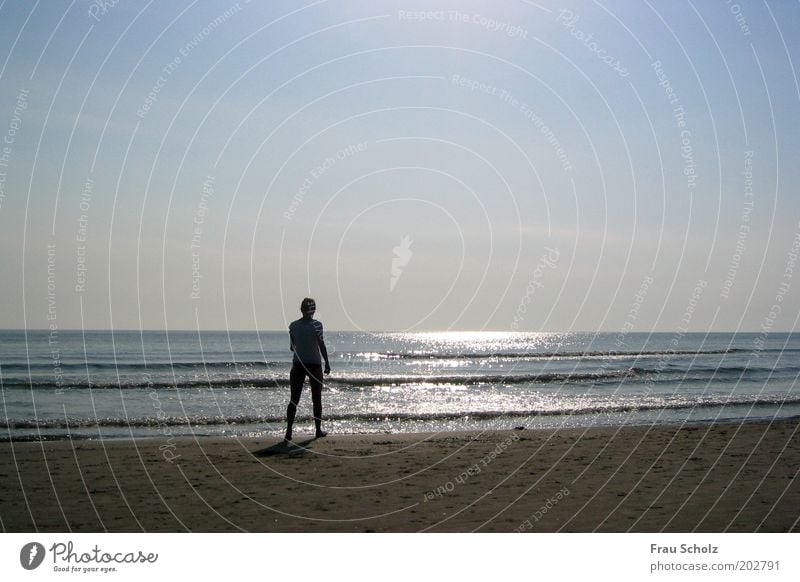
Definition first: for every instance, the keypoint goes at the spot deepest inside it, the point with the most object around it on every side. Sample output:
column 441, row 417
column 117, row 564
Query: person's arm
column 291, row 341
column 324, row 350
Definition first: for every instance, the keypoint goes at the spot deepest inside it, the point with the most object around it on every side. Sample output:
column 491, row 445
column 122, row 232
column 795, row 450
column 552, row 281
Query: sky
column 450, row 165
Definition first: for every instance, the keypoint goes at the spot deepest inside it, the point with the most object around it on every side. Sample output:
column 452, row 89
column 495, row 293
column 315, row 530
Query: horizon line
column 223, row 330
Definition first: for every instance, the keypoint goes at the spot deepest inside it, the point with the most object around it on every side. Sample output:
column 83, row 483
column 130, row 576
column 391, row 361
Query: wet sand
column 710, row 478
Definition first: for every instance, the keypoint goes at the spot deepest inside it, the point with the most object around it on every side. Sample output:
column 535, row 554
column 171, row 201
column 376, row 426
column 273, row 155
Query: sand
column 709, row 478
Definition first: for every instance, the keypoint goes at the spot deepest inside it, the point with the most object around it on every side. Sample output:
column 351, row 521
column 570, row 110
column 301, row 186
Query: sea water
column 123, row 384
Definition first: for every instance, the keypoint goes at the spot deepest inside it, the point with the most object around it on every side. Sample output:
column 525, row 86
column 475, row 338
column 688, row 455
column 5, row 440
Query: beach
column 737, row 477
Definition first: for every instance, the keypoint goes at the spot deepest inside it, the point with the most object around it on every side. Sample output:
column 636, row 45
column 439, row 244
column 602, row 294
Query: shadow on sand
column 292, row 449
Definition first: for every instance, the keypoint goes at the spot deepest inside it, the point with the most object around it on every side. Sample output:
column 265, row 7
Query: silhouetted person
column 307, row 343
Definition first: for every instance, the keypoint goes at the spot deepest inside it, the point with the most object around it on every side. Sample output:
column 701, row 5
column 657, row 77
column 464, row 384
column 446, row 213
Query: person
column 307, row 342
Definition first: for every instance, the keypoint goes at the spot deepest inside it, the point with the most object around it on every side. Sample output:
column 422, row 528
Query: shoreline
column 724, row 476
column 247, row 433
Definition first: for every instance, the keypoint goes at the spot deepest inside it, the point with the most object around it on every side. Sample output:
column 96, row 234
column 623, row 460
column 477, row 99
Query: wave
column 142, row 369
column 340, row 381
column 224, row 362
column 536, row 355
column 198, row 420
column 273, row 379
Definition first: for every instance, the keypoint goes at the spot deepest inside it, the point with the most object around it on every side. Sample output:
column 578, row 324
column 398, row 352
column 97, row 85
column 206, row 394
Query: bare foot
column 321, row 433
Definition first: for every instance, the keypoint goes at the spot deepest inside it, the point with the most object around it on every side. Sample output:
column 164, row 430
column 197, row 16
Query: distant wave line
column 340, row 381
column 216, row 361
column 633, row 374
column 538, row 355
column 390, row 416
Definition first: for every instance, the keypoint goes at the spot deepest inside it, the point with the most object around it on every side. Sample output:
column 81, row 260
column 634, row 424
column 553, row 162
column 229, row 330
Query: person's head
column 308, row 306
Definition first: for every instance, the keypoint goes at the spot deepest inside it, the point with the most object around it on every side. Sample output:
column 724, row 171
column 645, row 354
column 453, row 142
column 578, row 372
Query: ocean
column 125, row 384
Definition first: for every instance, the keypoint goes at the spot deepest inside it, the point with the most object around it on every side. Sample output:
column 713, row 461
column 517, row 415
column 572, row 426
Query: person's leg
column 315, row 379
column 296, row 378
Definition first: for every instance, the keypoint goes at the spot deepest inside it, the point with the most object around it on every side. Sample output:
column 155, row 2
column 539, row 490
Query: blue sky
column 244, row 155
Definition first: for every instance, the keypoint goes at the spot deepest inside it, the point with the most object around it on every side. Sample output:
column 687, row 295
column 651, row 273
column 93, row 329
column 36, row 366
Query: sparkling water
column 127, row 383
